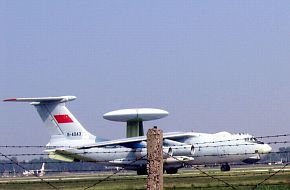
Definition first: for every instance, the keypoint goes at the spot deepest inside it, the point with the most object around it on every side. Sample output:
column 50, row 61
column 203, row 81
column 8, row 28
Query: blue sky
column 214, row 65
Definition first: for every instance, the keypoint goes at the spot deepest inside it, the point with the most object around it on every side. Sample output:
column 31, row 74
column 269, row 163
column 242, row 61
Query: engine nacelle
column 178, row 150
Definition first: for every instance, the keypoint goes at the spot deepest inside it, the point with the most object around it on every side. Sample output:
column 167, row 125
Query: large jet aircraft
column 71, row 142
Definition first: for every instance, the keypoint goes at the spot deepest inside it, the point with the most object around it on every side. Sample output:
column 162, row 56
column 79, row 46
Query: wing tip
column 10, row 100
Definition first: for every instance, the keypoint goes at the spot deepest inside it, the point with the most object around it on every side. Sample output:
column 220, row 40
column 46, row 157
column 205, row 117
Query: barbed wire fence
column 225, row 182
column 13, row 161
column 198, row 145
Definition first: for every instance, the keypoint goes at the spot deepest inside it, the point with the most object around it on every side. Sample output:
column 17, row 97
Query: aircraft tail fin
column 64, row 128
column 42, row 167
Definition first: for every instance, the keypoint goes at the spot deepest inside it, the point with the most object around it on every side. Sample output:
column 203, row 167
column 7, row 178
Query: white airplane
column 71, row 142
column 40, row 172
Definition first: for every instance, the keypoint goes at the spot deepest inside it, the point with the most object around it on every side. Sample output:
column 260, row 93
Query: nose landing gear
column 225, row 167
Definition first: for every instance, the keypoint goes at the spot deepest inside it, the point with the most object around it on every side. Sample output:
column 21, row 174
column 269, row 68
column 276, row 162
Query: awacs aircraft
column 70, row 141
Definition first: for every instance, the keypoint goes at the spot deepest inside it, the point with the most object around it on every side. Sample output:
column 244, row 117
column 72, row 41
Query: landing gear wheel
column 225, row 167
column 172, row 171
column 142, row 171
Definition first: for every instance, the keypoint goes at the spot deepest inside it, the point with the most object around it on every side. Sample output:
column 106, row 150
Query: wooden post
column 155, row 159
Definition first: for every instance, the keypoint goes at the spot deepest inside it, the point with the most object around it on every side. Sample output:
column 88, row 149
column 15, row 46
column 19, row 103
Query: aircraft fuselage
column 218, row 148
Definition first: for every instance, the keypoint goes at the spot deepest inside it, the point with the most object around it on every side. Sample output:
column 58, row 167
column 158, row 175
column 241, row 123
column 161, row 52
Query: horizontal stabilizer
column 57, row 156
column 42, row 99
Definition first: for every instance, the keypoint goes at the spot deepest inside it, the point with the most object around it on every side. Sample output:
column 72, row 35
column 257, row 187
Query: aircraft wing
column 171, row 147
column 137, row 142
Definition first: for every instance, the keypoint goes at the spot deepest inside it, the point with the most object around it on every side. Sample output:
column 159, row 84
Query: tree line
column 283, row 156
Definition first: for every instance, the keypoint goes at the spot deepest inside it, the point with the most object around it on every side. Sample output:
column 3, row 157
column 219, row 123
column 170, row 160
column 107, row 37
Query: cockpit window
column 253, row 140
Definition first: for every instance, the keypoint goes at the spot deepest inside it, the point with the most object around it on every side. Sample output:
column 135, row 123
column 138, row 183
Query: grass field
column 239, row 178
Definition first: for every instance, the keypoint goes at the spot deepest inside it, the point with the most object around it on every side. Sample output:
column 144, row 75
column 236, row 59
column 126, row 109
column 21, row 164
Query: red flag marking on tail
column 63, row 119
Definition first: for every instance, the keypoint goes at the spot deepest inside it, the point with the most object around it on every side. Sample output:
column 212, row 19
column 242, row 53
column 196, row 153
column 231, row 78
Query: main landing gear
column 171, row 171
column 225, row 167
column 142, row 171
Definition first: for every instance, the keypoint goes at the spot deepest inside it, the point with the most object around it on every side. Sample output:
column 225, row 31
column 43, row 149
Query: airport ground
column 244, row 178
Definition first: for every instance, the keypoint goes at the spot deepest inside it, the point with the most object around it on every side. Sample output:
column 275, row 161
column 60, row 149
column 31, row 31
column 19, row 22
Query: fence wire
column 199, row 145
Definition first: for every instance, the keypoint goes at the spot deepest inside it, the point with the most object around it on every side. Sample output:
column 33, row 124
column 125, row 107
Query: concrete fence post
column 155, row 159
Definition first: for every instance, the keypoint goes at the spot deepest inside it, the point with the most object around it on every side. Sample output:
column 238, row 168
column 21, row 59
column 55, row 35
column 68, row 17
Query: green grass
column 187, row 179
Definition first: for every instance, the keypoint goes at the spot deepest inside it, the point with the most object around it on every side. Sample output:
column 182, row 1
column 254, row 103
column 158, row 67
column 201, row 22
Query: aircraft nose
column 266, row 148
